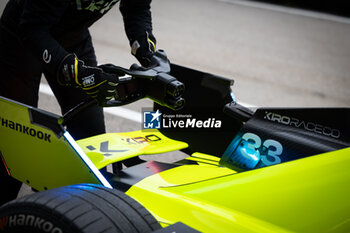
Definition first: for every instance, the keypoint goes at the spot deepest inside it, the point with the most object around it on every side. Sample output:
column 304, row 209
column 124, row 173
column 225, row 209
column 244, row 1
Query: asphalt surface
column 275, row 58
column 278, row 57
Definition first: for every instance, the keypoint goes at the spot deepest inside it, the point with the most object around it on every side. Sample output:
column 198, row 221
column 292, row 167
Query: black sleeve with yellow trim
column 138, row 27
column 38, row 17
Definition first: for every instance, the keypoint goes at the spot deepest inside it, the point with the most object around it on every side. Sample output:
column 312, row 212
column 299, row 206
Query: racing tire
column 76, row 208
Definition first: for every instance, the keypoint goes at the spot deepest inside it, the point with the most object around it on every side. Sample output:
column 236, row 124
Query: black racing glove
column 158, row 61
column 143, row 47
column 96, row 83
column 153, row 82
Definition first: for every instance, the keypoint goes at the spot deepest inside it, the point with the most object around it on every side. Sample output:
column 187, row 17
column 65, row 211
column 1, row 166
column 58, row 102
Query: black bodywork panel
column 278, row 135
column 205, row 95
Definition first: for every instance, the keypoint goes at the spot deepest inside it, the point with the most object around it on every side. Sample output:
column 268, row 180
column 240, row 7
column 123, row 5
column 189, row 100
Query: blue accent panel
column 239, row 156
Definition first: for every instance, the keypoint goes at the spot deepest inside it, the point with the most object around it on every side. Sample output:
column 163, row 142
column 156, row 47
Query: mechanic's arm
column 37, row 19
column 36, row 22
column 138, row 27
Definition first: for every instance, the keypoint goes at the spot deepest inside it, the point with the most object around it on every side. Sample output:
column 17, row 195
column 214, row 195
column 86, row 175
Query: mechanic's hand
column 158, row 62
column 127, row 88
column 143, row 47
column 96, row 83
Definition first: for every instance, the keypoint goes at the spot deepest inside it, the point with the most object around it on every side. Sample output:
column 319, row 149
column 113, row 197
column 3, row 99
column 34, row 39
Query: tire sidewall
column 26, row 217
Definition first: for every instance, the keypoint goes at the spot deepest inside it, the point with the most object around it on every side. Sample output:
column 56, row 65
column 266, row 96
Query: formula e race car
column 261, row 170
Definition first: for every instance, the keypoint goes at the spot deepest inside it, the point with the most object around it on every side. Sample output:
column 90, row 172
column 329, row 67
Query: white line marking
column 125, row 113
column 119, row 111
column 45, row 89
column 289, row 10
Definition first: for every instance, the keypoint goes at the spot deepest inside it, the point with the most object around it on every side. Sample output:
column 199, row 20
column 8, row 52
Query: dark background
column 336, row 7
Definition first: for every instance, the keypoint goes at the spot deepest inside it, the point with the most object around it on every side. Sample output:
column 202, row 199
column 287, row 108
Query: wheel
column 76, row 208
